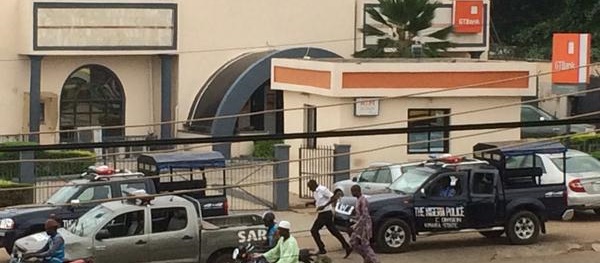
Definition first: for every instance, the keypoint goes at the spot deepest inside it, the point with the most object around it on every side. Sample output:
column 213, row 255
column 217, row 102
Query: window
column 368, row 176
column 428, row 142
column 384, row 176
column 446, row 186
column 42, row 112
column 137, row 185
column 168, row 219
column 528, row 114
column 524, row 161
column 482, row 183
column 310, row 124
column 96, row 193
column 125, row 225
column 92, row 96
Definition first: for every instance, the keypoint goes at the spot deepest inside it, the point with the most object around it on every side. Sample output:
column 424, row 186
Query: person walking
column 362, row 230
column 323, row 200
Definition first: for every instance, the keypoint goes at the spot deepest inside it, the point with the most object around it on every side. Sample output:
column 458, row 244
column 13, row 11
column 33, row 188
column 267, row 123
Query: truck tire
column 339, row 193
column 523, row 228
column 223, row 257
column 393, row 236
column 492, row 234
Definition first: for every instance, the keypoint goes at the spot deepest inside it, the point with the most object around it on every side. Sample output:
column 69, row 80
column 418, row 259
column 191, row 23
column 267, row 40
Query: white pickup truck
column 164, row 229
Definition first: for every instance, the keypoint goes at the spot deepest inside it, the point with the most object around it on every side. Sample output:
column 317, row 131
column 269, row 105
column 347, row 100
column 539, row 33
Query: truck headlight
column 7, row 224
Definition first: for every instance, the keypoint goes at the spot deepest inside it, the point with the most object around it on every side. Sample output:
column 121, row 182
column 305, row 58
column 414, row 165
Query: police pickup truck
column 145, row 229
column 100, row 183
column 455, row 195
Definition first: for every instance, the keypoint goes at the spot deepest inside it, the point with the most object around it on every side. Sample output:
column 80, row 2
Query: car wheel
column 339, row 193
column 223, row 258
column 492, row 234
column 393, row 236
column 523, row 228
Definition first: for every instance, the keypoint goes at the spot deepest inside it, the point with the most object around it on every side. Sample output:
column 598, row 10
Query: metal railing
column 313, row 163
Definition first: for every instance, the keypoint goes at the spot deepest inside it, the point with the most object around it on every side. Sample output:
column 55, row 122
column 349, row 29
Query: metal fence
column 239, row 171
column 315, row 163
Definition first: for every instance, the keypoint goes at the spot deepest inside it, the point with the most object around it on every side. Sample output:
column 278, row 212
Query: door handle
column 140, row 242
column 186, row 237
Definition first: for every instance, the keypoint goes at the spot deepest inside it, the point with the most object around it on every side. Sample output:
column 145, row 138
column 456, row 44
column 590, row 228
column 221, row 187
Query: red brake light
column 576, row 186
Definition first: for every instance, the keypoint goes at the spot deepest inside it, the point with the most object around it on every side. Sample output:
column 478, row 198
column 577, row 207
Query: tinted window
column 129, row 224
column 384, row 176
column 99, row 192
column 168, row 219
column 409, row 182
column 368, row 176
column 524, row 161
column 446, row 186
column 428, row 142
column 483, row 183
column 135, row 185
column 528, row 114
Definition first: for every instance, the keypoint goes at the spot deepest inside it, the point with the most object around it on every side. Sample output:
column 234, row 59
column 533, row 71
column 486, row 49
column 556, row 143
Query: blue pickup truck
column 455, row 195
column 77, row 197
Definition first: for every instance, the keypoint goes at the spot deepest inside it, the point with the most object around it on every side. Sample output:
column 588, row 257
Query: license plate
column 344, row 209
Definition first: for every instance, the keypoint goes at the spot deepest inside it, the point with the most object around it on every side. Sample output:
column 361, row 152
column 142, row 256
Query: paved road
column 565, row 242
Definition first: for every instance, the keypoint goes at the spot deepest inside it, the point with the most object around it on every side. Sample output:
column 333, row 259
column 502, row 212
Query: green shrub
column 264, row 149
column 11, row 170
column 16, row 196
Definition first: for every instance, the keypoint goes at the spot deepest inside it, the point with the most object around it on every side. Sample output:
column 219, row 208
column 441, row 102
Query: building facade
column 69, row 65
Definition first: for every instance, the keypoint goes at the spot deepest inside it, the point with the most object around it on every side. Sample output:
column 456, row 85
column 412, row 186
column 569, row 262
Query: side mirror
column 354, row 179
column 75, row 202
column 423, row 192
column 542, row 119
column 102, row 234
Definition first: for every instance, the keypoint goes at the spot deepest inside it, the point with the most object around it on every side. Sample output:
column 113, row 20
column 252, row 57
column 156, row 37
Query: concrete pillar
column 341, row 164
column 166, row 76
column 34, row 96
column 27, row 169
column 281, row 189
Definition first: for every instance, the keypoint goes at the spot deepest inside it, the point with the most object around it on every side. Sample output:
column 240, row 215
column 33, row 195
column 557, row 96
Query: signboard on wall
column 570, row 55
column 105, row 26
column 366, row 107
column 468, row 16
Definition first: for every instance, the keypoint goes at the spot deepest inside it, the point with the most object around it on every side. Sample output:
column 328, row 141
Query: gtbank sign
column 468, row 16
column 570, row 57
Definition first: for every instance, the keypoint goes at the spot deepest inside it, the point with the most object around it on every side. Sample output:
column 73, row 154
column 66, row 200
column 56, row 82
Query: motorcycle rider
column 269, row 221
column 54, row 250
column 286, row 250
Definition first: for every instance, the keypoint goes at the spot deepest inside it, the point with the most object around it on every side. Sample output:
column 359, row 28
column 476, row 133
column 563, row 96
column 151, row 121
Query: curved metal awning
column 230, row 87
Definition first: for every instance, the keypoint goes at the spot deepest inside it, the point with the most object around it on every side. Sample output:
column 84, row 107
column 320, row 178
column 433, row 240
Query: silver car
column 375, row 179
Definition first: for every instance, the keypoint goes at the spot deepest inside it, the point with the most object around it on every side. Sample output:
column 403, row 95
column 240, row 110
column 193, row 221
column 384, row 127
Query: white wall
column 395, row 110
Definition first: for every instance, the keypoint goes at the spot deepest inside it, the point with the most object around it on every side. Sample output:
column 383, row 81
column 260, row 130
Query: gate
column 316, row 164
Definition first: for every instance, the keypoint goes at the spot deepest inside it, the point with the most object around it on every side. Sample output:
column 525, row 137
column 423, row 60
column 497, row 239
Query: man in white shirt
column 323, row 200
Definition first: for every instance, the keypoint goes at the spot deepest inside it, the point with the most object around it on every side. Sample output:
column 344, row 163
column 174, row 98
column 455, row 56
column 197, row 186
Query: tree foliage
column 524, row 28
column 405, row 22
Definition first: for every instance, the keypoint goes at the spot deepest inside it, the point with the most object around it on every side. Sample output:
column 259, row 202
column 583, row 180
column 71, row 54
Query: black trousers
column 326, row 219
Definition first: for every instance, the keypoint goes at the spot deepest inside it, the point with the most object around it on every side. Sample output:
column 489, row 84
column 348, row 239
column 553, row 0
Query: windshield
column 578, row 164
column 63, row 195
column 89, row 221
column 409, row 182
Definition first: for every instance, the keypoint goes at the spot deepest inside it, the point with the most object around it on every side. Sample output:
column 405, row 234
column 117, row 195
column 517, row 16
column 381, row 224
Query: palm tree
column 408, row 22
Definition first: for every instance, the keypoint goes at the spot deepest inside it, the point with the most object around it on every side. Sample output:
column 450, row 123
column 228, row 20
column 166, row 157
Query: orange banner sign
column 570, row 57
column 468, row 16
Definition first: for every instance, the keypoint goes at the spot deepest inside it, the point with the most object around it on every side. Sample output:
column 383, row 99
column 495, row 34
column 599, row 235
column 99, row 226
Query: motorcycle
column 246, row 254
